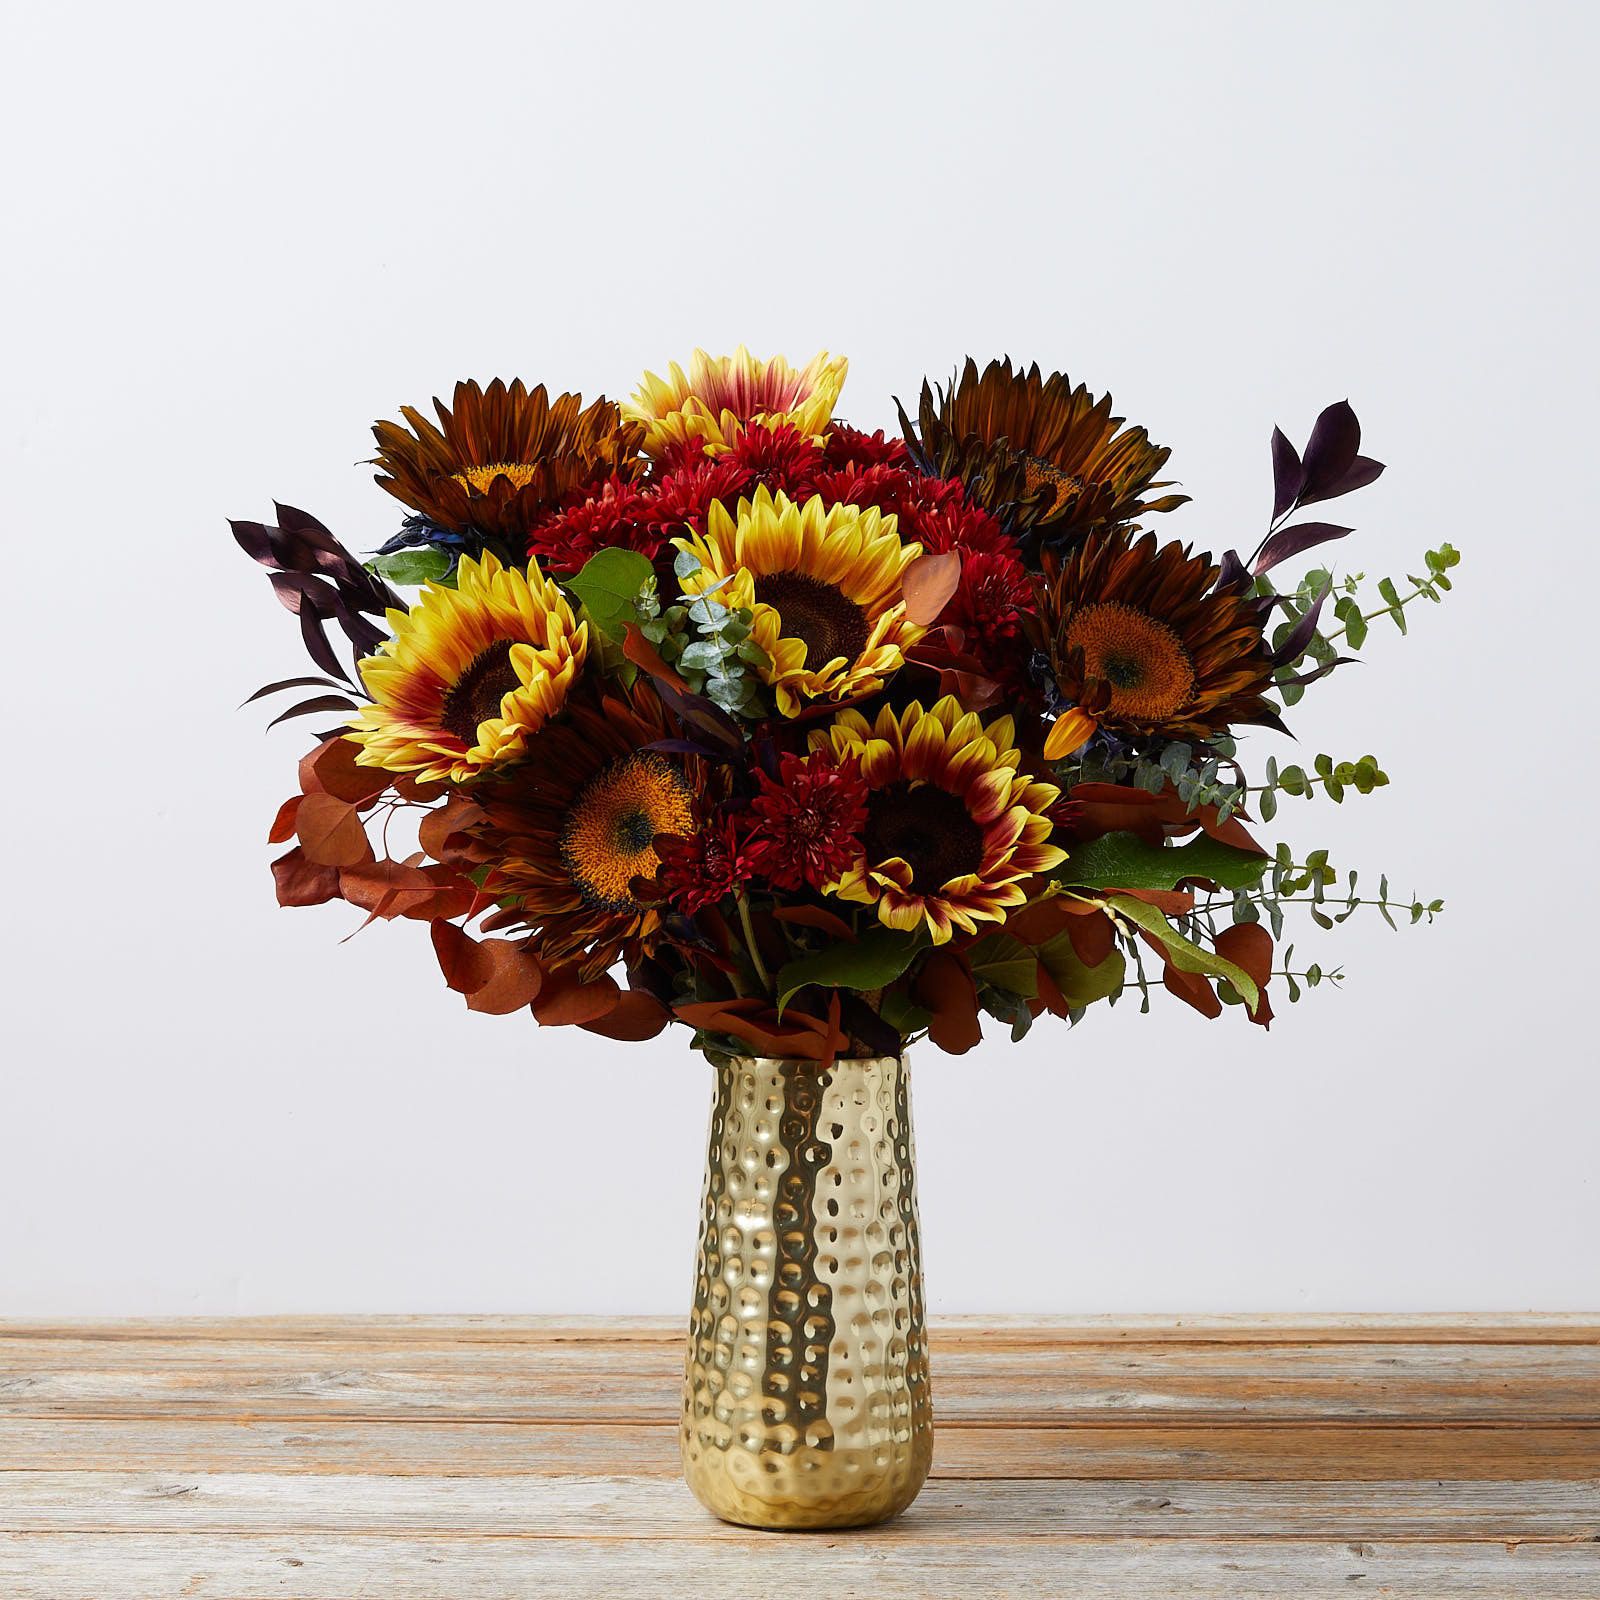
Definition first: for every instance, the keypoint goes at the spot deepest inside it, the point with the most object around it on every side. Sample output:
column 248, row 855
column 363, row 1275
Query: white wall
column 238, row 234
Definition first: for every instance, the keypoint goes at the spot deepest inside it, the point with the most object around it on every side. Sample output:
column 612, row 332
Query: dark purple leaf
column 682, row 747
column 1231, row 571
column 1288, row 476
column 1362, row 471
column 1294, row 646
column 255, row 539
column 1291, row 541
column 321, row 702
column 1330, row 452
column 1304, row 678
column 289, row 683
column 317, row 646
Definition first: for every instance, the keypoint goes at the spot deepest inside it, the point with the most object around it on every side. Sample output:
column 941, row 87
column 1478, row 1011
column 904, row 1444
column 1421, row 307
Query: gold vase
column 805, row 1395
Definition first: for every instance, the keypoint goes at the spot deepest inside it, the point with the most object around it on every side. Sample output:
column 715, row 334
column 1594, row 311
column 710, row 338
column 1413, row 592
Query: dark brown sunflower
column 1142, row 638
column 1048, row 454
column 570, row 829
column 502, row 457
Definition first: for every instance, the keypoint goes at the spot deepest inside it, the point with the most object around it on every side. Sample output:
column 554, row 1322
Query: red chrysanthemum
column 988, row 607
column 807, row 823
column 684, row 497
column 703, row 868
column 933, row 512
column 619, row 515
column 781, row 458
column 850, row 447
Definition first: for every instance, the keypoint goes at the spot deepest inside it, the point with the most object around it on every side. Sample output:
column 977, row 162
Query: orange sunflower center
column 476, row 695
column 608, row 838
column 817, row 614
column 928, row 828
column 1041, row 474
column 478, row 479
column 1149, row 672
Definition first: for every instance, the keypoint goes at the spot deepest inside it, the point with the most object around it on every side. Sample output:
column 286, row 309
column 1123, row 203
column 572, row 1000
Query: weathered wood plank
column 1433, row 1382
column 988, row 1331
column 870, row 1565
column 1284, row 1452
column 570, row 1507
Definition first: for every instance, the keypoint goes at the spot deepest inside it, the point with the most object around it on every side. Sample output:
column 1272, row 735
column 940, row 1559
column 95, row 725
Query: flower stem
column 750, row 944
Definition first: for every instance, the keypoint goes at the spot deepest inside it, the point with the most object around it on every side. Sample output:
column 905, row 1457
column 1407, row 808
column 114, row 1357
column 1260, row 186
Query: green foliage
column 1334, row 778
column 1184, row 953
column 1081, row 985
column 1322, row 649
column 1125, row 861
column 610, row 588
column 709, row 644
column 877, row 958
column 1194, row 771
column 416, row 566
column 999, row 961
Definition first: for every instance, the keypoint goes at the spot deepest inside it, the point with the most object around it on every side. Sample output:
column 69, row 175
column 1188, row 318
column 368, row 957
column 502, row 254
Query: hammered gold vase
column 805, row 1395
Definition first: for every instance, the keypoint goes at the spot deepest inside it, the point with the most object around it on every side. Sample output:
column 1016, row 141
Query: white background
column 237, row 235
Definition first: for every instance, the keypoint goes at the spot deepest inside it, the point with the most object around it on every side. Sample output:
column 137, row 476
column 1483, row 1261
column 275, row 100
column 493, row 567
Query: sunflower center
column 817, row 614
column 1143, row 660
column 478, row 479
column 1041, row 474
column 476, row 695
column 928, row 828
column 609, row 835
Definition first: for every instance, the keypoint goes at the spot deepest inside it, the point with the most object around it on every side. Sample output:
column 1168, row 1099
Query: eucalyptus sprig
column 1332, row 777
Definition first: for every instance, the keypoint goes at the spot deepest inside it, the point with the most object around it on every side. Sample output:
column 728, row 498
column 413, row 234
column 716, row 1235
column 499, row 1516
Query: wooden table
column 464, row 1459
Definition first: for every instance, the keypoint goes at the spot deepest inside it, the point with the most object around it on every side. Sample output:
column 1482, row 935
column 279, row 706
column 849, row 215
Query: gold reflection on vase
column 806, row 1400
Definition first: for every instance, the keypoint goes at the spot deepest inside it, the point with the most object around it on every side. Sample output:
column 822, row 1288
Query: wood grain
column 458, row 1459
column 863, row 1566
column 625, row 1382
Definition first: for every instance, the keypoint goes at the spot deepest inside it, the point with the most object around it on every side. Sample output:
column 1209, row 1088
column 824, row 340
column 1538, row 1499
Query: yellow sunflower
column 823, row 586
column 953, row 828
column 719, row 396
column 469, row 673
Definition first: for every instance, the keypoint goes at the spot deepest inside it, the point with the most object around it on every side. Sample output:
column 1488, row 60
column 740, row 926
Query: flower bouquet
column 711, row 708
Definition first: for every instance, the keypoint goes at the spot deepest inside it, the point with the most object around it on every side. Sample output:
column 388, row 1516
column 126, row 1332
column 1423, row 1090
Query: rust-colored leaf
column 1097, row 808
column 513, row 980
column 1092, row 938
column 282, row 829
column 1050, row 995
column 464, row 967
column 1170, row 902
column 635, row 1016
column 1192, row 989
column 387, row 888
column 331, row 769
column 436, row 828
column 944, row 988
column 330, row 831
column 647, row 658
column 566, row 1000
column 1249, row 945
column 816, row 917
column 753, row 1021
column 927, row 584
column 408, row 787
column 302, row 882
